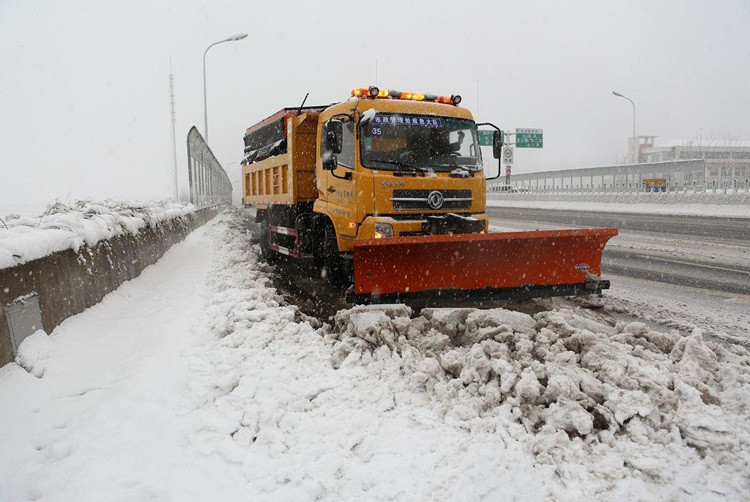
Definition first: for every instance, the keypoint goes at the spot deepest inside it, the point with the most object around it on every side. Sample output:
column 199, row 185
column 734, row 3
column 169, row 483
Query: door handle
column 331, row 188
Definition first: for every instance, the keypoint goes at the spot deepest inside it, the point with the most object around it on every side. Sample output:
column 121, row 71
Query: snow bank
column 85, row 222
column 34, row 352
column 271, row 403
column 579, row 406
column 596, row 401
column 731, row 205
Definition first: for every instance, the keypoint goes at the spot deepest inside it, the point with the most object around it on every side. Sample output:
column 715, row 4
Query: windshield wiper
column 413, row 169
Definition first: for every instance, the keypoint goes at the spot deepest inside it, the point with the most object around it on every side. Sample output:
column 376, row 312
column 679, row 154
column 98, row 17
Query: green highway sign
column 529, row 138
column 485, row 138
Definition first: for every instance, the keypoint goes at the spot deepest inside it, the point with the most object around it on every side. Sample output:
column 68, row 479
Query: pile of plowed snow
column 457, row 404
column 585, row 396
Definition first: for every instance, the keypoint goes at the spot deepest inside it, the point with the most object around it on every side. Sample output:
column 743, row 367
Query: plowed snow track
column 615, row 387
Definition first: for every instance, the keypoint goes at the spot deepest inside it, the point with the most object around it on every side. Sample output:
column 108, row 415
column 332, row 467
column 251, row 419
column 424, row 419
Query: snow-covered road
column 654, row 235
column 195, row 382
column 650, row 248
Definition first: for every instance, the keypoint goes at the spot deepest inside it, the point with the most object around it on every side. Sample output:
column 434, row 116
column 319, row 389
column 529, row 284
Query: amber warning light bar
column 375, row 93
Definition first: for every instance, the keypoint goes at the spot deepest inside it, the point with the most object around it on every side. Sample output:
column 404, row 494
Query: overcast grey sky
column 84, row 84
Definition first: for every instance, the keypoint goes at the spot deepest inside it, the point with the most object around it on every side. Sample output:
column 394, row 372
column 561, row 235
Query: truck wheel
column 333, row 263
column 318, row 244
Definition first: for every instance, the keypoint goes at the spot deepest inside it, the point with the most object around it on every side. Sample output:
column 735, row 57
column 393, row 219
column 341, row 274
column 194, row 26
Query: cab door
column 340, row 187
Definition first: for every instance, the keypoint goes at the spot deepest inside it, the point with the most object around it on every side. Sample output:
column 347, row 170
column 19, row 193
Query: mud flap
column 505, row 264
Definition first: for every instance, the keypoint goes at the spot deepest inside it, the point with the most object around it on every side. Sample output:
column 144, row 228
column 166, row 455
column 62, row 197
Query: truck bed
column 285, row 173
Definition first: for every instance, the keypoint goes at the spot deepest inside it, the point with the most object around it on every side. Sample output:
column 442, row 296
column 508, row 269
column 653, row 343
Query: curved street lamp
column 635, row 145
column 233, row 38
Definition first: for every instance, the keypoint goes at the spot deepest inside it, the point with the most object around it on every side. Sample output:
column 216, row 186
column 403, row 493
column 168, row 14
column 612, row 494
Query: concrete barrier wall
column 68, row 282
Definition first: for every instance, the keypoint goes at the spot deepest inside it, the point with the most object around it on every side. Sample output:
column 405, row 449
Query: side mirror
column 493, row 176
column 497, row 144
column 334, row 136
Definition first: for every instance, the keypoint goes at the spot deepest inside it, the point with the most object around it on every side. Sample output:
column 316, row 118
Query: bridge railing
column 681, row 176
column 672, row 187
column 209, row 183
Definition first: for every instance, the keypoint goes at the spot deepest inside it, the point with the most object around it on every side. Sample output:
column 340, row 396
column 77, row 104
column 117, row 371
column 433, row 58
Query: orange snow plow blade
column 493, row 266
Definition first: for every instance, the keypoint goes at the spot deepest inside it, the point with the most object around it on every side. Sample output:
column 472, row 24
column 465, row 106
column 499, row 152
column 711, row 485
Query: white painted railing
column 724, row 187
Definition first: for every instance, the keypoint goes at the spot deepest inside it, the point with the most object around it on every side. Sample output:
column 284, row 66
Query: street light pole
column 233, row 38
column 635, row 144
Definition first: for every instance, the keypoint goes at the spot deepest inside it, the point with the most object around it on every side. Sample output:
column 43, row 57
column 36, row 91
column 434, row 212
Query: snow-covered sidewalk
column 102, row 421
column 195, row 382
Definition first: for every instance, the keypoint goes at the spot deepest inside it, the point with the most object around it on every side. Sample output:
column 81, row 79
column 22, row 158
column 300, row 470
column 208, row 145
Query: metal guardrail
column 681, row 177
column 209, row 183
column 725, row 187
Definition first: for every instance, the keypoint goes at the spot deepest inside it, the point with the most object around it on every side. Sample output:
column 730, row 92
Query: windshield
column 393, row 141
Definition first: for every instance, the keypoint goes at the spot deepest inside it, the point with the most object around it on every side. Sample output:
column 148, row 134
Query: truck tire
column 318, row 243
column 334, row 265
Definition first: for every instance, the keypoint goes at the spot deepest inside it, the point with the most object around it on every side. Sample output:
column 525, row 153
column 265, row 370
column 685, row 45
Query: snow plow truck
column 385, row 192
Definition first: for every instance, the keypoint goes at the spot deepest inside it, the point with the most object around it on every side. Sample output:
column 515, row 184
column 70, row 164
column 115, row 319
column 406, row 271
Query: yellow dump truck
column 386, row 193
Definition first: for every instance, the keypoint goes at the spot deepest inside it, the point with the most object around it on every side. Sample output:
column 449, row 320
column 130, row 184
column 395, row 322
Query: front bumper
column 431, row 225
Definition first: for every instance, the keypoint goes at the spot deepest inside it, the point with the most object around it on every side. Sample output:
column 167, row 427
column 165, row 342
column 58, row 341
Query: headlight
column 383, row 230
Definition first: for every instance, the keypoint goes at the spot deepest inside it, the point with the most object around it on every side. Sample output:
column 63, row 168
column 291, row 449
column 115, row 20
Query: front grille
column 414, row 200
column 417, row 216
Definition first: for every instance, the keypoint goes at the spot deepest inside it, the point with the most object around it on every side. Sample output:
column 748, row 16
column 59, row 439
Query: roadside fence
column 209, row 183
column 672, row 187
column 676, row 176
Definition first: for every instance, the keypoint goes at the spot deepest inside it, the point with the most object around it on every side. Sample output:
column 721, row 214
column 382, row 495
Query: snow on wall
column 84, row 222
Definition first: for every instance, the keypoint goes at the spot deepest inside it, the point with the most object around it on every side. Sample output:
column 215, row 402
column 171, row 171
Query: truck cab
column 398, row 167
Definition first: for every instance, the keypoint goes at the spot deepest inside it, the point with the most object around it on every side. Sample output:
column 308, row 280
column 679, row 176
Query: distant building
column 643, row 143
column 725, row 164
